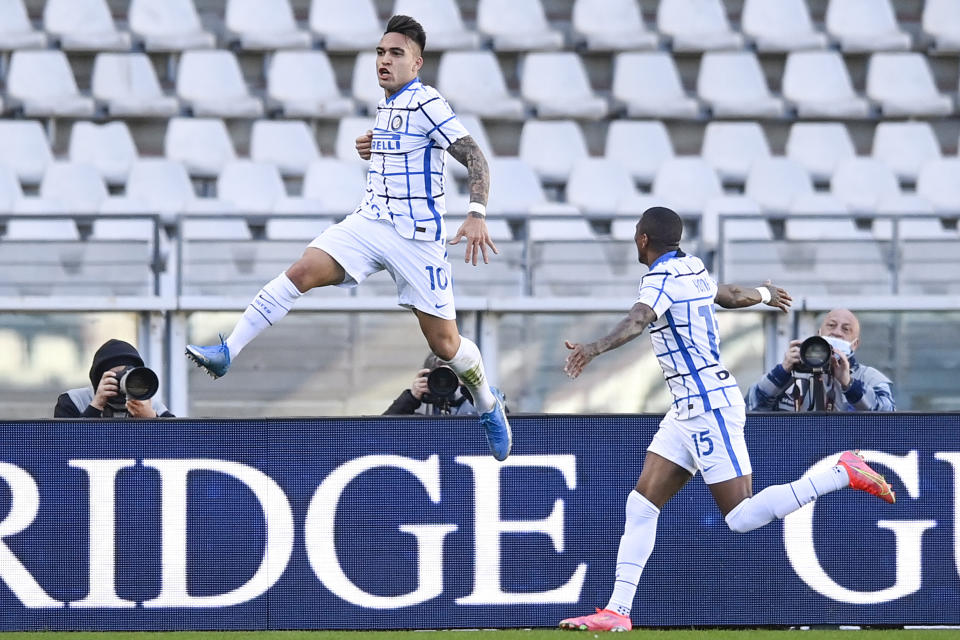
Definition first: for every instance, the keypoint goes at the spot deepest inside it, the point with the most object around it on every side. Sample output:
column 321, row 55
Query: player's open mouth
column 384, row 73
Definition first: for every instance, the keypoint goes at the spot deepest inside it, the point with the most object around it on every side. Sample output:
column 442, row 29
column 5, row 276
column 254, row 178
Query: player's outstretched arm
column 639, row 317
column 474, row 229
column 732, row 296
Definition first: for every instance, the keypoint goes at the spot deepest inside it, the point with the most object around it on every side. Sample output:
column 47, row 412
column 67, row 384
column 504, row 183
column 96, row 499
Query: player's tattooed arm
column 467, row 152
column 638, row 319
column 732, row 296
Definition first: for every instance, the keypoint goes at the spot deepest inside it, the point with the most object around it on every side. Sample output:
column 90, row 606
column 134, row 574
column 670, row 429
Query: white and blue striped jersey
column 685, row 336
column 405, row 183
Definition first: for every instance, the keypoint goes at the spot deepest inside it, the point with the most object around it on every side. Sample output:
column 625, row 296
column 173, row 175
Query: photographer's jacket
column 869, row 390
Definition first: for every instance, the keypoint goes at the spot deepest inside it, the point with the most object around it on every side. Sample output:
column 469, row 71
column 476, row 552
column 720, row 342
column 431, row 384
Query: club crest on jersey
column 396, row 122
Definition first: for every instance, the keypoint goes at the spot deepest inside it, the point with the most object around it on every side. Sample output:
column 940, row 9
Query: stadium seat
column 78, row 186
column 551, row 148
column 41, row 84
column 345, row 26
column 903, row 85
column 818, row 85
column 251, row 186
column 571, row 228
column 442, row 21
column 349, row 129
column 83, row 25
column 775, row 182
column 865, row 25
column 127, row 86
column 108, row 147
column 938, row 183
column 780, row 26
column 364, row 86
column 154, row 185
column 732, row 147
column 732, row 84
column 526, row 29
column 338, row 186
column 861, row 182
column 697, row 25
column 941, row 23
column 600, row 188
column 287, row 144
column 471, row 81
column 10, row 191
column 301, row 84
column 904, row 146
column 831, row 221
column 819, row 146
column 640, row 146
column 16, row 32
column 648, row 84
column 556, row 85
column 687, row 183
column 210, row 84
column 264, row 25
column 474, row 126
column 301, row 229
column 515, row 189
column 917, row 219
column 32, row 229
column 718, row 213
column 168, row 25
column 203, row 145
column 25, row 149
column 610, row 25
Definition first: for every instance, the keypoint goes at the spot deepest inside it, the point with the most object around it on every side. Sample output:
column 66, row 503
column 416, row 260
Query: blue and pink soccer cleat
column 602, row 620
column 215, row 359
column 497, row 428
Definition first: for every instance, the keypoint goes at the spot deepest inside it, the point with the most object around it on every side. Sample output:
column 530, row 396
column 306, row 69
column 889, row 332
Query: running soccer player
column 398, row 227
column 704, row 429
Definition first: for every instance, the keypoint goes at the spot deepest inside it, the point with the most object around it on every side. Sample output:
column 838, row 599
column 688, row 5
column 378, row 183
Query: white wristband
column 764, row 294
column 476, row 207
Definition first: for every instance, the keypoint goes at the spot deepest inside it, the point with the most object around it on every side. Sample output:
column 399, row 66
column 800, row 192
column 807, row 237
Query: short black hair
column 663, row 227
column 407, row 26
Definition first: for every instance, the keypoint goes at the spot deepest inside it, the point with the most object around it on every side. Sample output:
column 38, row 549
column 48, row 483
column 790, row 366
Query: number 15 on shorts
column 702, row 439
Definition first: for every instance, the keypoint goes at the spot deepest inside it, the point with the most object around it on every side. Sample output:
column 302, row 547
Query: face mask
column 840, row 345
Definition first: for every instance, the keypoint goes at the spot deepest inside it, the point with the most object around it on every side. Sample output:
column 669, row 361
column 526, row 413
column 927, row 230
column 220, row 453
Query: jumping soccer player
column 398, row 227
column 704, row 429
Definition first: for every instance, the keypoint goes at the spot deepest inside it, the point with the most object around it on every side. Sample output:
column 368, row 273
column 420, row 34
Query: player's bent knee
column 315, row 268
column 739, row 519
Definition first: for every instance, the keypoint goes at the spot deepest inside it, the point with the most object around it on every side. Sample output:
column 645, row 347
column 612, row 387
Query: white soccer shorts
column 711, row 443
column 363, row 247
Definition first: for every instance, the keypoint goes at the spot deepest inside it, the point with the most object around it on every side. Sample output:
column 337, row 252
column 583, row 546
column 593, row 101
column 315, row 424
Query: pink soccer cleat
column 863, row 478
column 602, row 620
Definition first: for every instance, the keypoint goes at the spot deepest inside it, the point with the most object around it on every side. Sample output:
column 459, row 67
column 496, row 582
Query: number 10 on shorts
column 438, row 278
column 702, row 438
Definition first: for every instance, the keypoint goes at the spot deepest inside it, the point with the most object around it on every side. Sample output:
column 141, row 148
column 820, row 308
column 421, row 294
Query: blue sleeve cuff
column 780, row 376
column 854, row 392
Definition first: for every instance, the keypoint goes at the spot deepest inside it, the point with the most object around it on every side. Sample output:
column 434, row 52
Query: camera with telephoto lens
column 137, row 383
column 815, row 353
column 442, row 384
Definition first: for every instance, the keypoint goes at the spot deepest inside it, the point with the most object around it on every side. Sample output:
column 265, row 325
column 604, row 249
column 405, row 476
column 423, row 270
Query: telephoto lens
column 814, row 355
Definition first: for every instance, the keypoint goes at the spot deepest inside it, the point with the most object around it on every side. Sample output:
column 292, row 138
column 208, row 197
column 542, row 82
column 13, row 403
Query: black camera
column 442, row 383
column 138, row 383
column 815, row 353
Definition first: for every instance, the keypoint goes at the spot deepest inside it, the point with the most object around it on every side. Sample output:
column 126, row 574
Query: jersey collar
column 402, row 89
column 667, row 256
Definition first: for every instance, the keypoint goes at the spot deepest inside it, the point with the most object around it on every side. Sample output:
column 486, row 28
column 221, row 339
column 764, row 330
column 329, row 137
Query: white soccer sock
column 270, row 305
column 636, row 545
column 781, row 500
column 468, row 364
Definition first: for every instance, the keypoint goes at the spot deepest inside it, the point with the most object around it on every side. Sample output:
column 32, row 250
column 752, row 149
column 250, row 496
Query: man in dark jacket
column 109, row 360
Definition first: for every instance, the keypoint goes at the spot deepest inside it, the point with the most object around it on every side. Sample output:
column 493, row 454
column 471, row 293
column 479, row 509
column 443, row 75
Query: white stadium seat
column 515, row 189
column 912, row 223
column 251, row 186
column 472, row 82
column 168, row 25
column 108, row 147
column 640, row 146
column 556, row 85
column 732, row 147
column 938, row 183
column 611, row 25
column 10, row 191
column 442, row 21
column 211, row 84
column 162, row 186
column 475, row 127
column 345, row 26
column 599, row 187
column 338, row 186
column 364, row 86
column 287, row 144
column 697, row 25
column 83, row 25
column 819, row 147
column 552, row 147
column 127, row 85
column 78, row 186
column 780, row 26
column 264, row 25
column 16, row 32
column 687, row 183
column 831, row 221
column 41, row 83
column 648, row 84
column 303, row 85
column 818, row 85
column 861, row 182
column 203, row 145
column 865, row 25
column 775, row 182
column 348, row 131
column 905, row 146
column 733, row 229
column 903, row 85
column 56, row 229
column 732, row 83
column 941, row 22
column 525, row 29
column 25, row 149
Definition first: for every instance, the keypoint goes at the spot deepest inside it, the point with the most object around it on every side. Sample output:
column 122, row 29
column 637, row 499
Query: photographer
column 847, row 384
column 447, row 397
column 111, row 361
